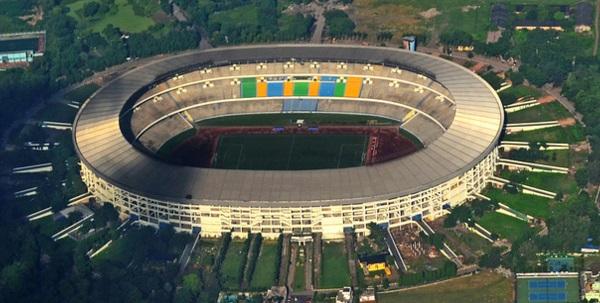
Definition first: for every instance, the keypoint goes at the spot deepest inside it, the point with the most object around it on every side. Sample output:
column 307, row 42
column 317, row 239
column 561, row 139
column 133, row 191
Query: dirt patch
column 581, row 147
column 567, row 122
column 37, row 15
column 430, row 13
column 546, row 99
column 372, row 18
column 162, row 17
column 468, row 8
column 478, row 67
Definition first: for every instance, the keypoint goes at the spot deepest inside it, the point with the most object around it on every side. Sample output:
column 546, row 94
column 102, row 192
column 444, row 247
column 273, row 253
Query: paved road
column 494, row 62
column 308, row 266
column 319, row 25
column 596, row 29
column 317, row 253
column 285, row 260
column 349, row 245
column 292, row 268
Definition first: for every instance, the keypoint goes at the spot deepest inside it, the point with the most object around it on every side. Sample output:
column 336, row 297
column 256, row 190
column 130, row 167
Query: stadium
column 294, row 139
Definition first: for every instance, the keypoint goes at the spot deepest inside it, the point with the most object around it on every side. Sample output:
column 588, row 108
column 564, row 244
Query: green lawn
column 57, row 112
column 230, row 269
column 424, row 263
column 558, row 134
column 510, row 95
column 122, row 17
column 534, row 206
column 556, row 157
column 549, row 181
column 475, row 243
column 299, row 274
column 205, row 254
column 81, row 93
column 290, row 151
column 544, row 112
column 168, row 147
column 48, row 226
column 503, row 225
column 561, row 157
column 334, row 271
column 264, row 273
column 485, row 287
column 290, row 119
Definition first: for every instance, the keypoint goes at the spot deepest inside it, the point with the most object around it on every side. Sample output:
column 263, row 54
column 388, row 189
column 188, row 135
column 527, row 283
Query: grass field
column 557, row 157
column 544, row 112
column 230, row 269
column 561, row 157
column 534, row 206
column 558, row 134
column 299, row 274
column 400, row 17
column 290, row 119
column 57, row 112
column 591, row 262
column 475, row 243
column 510, row 95
column 167, row 148
column 81, row 93
column 290, row 152
column 205, row 253
column 334, row 273
column 122, row 17
column 264, row 273
column 503, row 225
column 548, row 181
column 485, row 287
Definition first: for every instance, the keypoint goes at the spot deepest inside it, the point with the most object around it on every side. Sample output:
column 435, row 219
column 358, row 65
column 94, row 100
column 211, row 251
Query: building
column 530, row 25
column 591, row 286
column 500, row 16
column 584, row 16
column 409, row 43
column 344, row 295
column 368, row 296
column 548, row 287
column 374, row 263
column 455, row 114
column 20, row 48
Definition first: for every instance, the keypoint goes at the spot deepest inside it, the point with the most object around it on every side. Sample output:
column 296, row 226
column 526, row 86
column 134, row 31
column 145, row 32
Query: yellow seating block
column 353, row 86
column 313, row 88
column 261, row 89
column 288, row 88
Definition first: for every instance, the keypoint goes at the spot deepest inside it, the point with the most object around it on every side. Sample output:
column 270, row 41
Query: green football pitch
column 290, row 151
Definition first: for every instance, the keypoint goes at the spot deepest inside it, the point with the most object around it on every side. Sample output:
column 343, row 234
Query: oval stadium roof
column 473, row 134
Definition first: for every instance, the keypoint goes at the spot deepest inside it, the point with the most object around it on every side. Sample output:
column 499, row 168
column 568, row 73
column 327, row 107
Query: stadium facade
column 453, row 112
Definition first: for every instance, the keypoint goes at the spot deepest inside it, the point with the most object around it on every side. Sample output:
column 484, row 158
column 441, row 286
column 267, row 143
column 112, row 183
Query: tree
column 339, row 23
column 516, row 78
column 192, row 283
column 385, row 283
column 376, row 234
column 492, row 259
column 13, row 278
column 91, row 8
column 456, row 37
column 458, row 214
column 558, row 16
column 581, row 177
